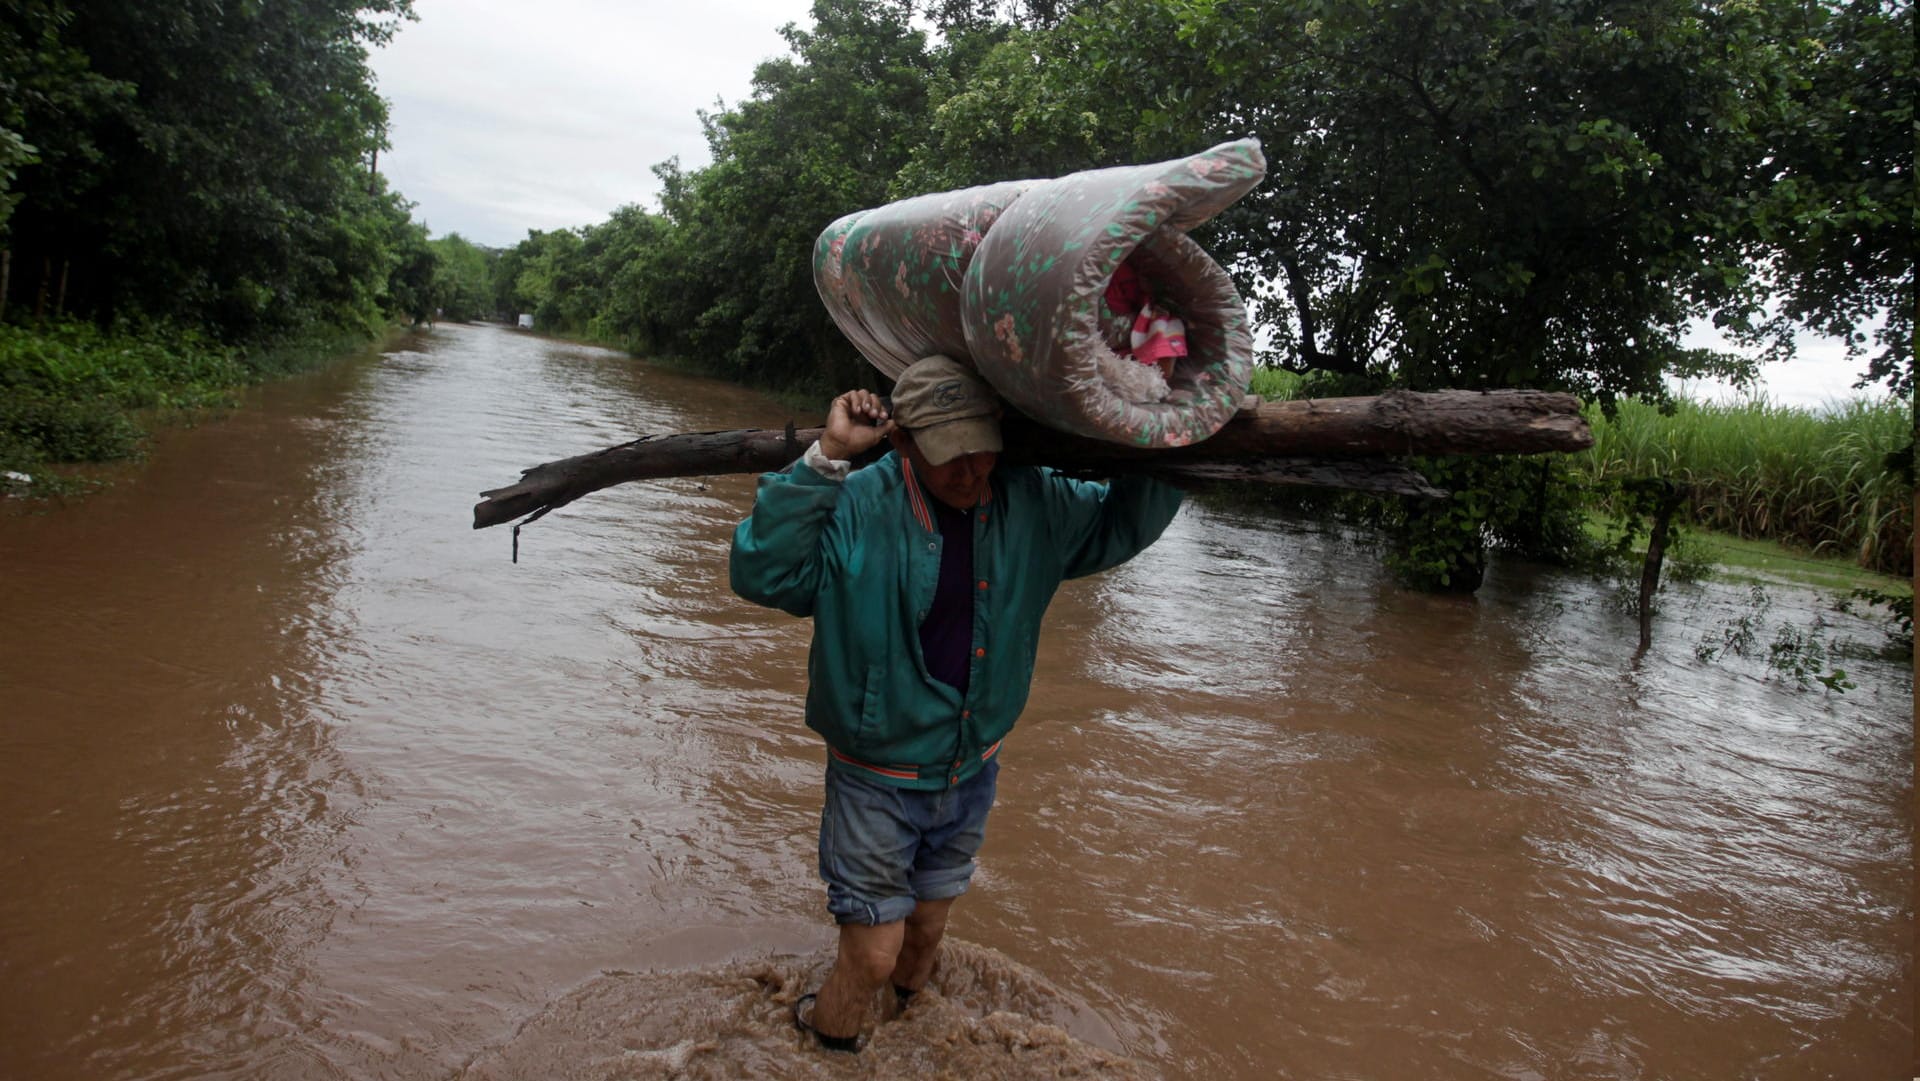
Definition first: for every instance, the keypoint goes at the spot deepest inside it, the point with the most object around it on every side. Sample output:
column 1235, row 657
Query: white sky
column 508, row 116
column 1820, row 375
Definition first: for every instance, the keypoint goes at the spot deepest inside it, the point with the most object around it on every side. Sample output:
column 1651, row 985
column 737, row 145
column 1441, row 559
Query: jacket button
column 981, row 652
column 931, row 546
column 983, row 583
column 965, row 713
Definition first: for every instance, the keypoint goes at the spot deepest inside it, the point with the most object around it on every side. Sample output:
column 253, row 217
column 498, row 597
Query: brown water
column 301, row 778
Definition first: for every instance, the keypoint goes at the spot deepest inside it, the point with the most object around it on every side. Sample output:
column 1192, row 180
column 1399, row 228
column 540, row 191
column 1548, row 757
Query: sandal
column 832, row 1043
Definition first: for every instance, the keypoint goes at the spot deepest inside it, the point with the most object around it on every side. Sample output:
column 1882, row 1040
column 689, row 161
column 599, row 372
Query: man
column 926, row 575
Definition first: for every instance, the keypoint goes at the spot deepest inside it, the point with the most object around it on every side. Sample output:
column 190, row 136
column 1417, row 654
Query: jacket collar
column 917, row 504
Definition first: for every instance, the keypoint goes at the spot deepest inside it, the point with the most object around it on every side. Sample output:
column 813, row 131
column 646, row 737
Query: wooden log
column 1329, row 442
column 1667, row 499
column 1395, row 423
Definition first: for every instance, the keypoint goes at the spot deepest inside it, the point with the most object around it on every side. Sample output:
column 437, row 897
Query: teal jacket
column 862, row 557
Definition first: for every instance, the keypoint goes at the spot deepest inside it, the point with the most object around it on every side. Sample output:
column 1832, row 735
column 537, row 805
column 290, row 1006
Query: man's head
column 947, row 423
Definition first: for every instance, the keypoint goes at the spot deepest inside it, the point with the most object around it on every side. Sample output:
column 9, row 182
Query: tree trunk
column 1670, row 497
column 1332, row 442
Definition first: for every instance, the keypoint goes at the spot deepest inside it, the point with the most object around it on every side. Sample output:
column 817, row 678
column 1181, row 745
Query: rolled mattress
column 1013, row 278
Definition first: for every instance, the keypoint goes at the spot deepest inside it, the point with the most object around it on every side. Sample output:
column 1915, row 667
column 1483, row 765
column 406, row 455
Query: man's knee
column 872, row 966
column 869, row 953
column 928, row 922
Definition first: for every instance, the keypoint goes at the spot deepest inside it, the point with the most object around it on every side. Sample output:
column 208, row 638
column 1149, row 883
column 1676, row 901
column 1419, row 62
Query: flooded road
column 301, row 778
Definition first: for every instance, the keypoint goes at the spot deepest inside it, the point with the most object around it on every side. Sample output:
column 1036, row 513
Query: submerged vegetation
column 1810, row 654
column 67, row 389
column 74, row 392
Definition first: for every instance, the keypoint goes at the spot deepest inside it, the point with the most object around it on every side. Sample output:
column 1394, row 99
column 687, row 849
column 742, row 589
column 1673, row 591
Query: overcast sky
column 509, row 116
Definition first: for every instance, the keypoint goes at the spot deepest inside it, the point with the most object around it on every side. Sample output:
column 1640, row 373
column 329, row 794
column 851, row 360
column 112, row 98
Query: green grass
column 1762, row 562
column 1742, row 560
column 1275, row 385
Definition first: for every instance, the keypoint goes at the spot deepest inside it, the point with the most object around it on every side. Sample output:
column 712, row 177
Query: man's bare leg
column 868, row 956
column 921, row 944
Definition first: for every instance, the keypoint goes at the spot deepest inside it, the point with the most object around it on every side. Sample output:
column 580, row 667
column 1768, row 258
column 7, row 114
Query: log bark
column 1329, row 442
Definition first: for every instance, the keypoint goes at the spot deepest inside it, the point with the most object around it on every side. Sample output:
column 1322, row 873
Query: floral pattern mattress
column 1013, row 279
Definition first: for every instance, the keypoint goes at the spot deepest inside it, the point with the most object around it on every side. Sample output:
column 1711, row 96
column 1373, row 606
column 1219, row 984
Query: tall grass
column 1825, row 482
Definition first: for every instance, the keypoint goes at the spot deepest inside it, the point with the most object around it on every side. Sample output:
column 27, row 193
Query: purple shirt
column 946, row 635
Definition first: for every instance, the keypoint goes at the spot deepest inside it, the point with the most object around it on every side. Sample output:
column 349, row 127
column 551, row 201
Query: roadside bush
column 37, row 428
column 133, row 368
column 67, row 389
column 1528, row 505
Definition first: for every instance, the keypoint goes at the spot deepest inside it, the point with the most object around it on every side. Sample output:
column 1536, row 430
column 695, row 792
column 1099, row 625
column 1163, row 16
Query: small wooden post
column 1670, row 496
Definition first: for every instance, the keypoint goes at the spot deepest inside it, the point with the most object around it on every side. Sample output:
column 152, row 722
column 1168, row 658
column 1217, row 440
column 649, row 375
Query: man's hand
column 856, row 422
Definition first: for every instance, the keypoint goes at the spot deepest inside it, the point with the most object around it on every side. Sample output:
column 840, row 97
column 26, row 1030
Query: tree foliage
column 1495, row 193
column 722, row 275
column 1833, row 213
column 1478, row 193
column 462, row 278
column 822, row 134
column 208, row 162
column 1488, row 193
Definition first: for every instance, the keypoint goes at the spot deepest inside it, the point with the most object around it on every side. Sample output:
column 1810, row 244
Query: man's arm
column 1102, row 525
column 786, row 548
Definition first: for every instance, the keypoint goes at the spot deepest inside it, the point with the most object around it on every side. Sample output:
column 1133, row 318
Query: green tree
column 206, row 161
column 1494, row 194
column 1484, row 194
column 47, row 81
column 463, row 271
column 615, row 253
column 1833, row 214
column 821, row 135
column 14, row 152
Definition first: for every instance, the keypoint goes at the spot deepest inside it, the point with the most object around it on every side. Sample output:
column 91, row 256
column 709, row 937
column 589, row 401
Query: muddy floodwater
column 300, row 777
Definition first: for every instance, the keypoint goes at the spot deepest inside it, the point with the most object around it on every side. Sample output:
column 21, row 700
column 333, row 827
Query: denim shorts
column 883, row 849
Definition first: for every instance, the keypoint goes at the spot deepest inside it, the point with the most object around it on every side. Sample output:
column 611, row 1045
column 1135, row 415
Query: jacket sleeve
column 1102, row 525
column 790, row 544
